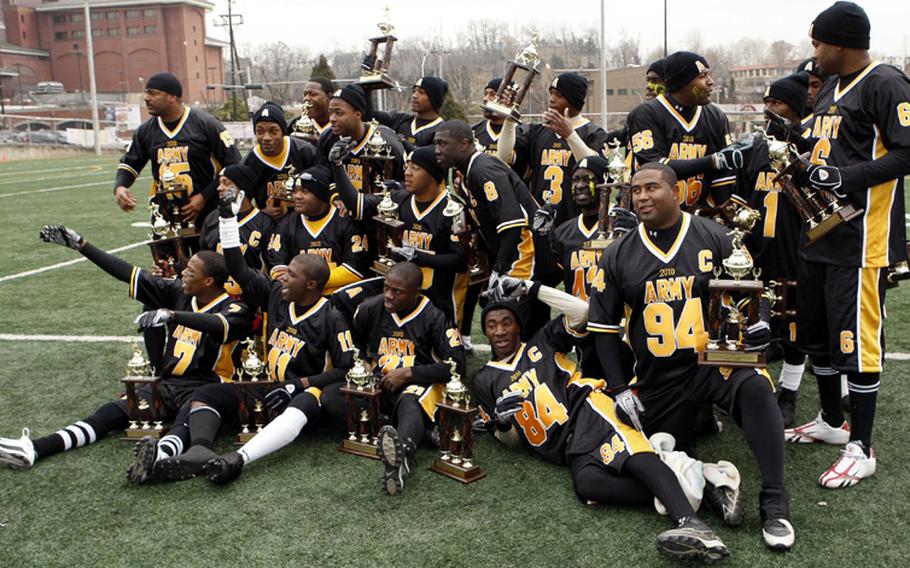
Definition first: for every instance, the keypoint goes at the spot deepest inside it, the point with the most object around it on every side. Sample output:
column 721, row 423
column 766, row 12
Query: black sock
column 792, row 354
column 155, row 340
column 863, row 395
column 108, row 417
column 409, row 421
column 828, row 391
column 204, row 423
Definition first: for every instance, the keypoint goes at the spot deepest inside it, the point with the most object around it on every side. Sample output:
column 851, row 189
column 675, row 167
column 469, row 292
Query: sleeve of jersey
column 212, row 324
column 278, row 254
column 150, row 290
column 340, row 352
column 224, row 151
column 237, row 319
column 447, row 345
column 559, row 335
column 647, row 137
column 354, row 257
column 508, row 139
column 255, row 284
column 500, row 194
column 605, row 306
column 132, row 162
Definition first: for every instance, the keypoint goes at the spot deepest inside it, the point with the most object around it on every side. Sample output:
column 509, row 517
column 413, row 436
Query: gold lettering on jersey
column 275, row 187
column 394, row 346
column 286, row 342
column 219, row 250
column 687, row 151
column 827, row 126
column 187, row 335
column 324, row 252
column 555, row 157
column 416, row 239
column 355, row 173
column 669, row 289
column 175, row 154
column 584, row 259
column 765, row 182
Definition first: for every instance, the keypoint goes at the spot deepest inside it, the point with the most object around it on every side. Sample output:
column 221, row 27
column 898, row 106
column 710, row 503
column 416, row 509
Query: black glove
column 757, row 336
column 629, row 408
column 623, row 220
column 229, row 203
column 514, row 288
column 507, row 406
column 278, row 398
column 391, row 185
column 494, row 291
column 731, row 157
column 821, row 178
column 339, row 151
column 153, row 318
column 367, row 63
column 778, row 126
column 544, row 218
column 61, row 235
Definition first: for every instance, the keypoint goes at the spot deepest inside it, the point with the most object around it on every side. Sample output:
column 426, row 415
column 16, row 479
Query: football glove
column 153, row 318
column 494, row 291
column 367, row 62
column 823, row 178
column 514, row 288
column 544, row 218
column 623, row 220
column 230, row 202
column 339, row 151
column 629, row 408
column 507, row 406
column 407, row 253
column 278, row 398
column 61, row 235
column 757, row 336
column 731, row 157
column 390, row 185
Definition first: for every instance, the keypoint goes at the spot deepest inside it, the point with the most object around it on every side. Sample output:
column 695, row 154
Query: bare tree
column 625, row 51
column 278, row 63
column 780, row 52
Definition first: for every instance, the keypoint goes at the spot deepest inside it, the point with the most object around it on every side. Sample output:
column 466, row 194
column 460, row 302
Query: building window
column 98, row 32
column 151, row 29
column 113, row 31
column 60, row 35
column 59, row 19
column 195, row 42
column 150, row 12
column 97, row 15
column 133, row 30
column 197, row 59
column 194, row 29
column 113, row 15
column 76, row 18
column 23, row 35
column 133, row 14
column 197, row 74
column 609, row 92
column 623, row 92
column 78, row 34
column 22, row 18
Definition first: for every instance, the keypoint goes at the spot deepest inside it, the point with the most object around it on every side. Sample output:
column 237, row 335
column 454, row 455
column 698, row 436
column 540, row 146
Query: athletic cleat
column 143, row 468
column 394, row 457
column 722, row 491
column 787, row 404
column 778, row 534
column 852, row 467
column 692, row 540
column 18, row 453
column 224, row 469
column 818, row 432
column 185, row 466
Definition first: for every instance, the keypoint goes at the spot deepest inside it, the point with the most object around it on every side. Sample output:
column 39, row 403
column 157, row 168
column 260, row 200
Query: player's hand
column 278, row 398
column 125, row 198
column 192, row 208
column 396, row 378
column 342, row 209
column 494, row 291
column 367, row 63
column 339, row 151
column 276, row 212
column 153, row 318
column 629, row 408
column 514, row 288
column 757, row 336
column 623, row 220
column 777, row 126
column 406, row 253
column 61, row 235
column 823, row 178
column 558, row 123
column 731, row 157
column 544, row 219
column 391, row 185
column 507, row 406
column 229, row 201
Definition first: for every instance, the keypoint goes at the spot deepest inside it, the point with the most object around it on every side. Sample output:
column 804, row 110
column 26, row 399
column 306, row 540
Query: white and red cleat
column 818, row 432
column 852, row 467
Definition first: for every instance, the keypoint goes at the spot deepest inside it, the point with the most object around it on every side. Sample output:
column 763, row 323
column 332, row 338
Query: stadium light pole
column 665, row 28
column 603, row 64
column 96, row 134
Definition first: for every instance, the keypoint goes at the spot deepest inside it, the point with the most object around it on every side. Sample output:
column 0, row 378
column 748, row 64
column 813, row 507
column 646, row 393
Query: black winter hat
column 425, row 157
column 317, row 180
column 243, row 177
column 681, row 67
column 844, row 24
column 435, row 89
column 354, row 95
column 597, row 164
column 166, row 83
column 271, row 112
column 811, row 67
column 573, row 86
column 494, row 84
column 658, row 67
column 792, row 89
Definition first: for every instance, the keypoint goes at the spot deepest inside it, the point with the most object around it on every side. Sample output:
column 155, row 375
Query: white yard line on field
column 67, row 263
column 61, row 188
column 66, row 176
column 17, row 172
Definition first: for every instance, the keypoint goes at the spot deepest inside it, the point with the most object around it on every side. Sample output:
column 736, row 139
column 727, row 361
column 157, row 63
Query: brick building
column 44, row 40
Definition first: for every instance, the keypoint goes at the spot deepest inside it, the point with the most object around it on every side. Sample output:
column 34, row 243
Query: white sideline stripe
column 67, row 263
column 61, row 188
column 69, row 338
column 26, row 173
column 29, row 180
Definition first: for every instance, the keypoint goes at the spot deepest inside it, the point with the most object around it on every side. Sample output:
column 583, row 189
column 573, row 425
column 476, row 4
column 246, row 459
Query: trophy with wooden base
column 361, row 392
column 251, row 383
column 456, row 439
column 376, row 76
column 781, row 294
column 143, row 398
column 170, row 251
column 305, row 127
column 478, row 262
column 511, row 93
column 619, row 180
column 388, row 233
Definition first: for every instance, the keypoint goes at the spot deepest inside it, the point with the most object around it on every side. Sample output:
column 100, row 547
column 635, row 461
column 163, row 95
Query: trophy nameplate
column 512, row 93
column 362, row 394
column 456, row 438
column 145, row 408
column 377, row 76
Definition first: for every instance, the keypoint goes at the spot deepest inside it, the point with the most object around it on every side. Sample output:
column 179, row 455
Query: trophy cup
column 169, row 250
column 378, row 160
column 377, row 75
column 251, row 381
column 361, row 392
column 388, row 233
column 282, row 190
column 478, row 264
column 305, row 128
column 511, row 94
column 619, row 179
column 456, row 440
column 143, row 398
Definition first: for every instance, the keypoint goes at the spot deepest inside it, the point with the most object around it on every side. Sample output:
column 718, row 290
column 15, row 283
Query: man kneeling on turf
column 204, row 324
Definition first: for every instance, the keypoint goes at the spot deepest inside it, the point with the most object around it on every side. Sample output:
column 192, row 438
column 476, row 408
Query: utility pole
column 665, row 28
column 228, row 21
column 96, row 130
column 603, row 65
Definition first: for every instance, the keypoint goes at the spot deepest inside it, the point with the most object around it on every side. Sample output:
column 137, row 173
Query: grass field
column 310, row 505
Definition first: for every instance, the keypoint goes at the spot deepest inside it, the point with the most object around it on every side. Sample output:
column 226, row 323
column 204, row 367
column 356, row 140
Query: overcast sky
column 716, row 20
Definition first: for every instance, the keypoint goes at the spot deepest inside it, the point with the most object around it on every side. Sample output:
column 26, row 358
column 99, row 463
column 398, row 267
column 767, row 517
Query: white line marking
column 61, row 188
column 67, row 263
column 65, row 176
column 97, row 167
column 69, row 338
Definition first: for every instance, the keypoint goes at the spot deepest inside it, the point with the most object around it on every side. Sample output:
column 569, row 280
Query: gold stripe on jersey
column 687, row 125
column 134, row 282
column 415, row 129
column 316, row 392
column 356, row 150
column 523, row 266
column 420, row 215
column 427, row 396
column 584, row 230
column 225, row 325
column 275, row 162
column 838, row 94
column 604, row 328
column 668, row 256
column 292, row 311
column 634, row 440
column 573, row 332
column 400, row 322
column 494, row 136
column 224, row 364
column 248, row 217
column 171, row 133
column 127, row 167
column 869, row 321
column 877, row 218
column 314, row 228
column 210, row 305
column 511, row 363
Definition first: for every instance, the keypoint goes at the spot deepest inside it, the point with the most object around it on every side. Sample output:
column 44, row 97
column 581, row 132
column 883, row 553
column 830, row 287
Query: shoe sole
column 775, row 544
column 807, row 439
column 683, row 547
column 734, row 518
column 13, row 457
column 390, row 453
column 143, row 468
column 220, row 472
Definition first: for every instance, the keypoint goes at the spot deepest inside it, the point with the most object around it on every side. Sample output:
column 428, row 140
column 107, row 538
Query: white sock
column 277, row 434
column 844, row 390
column 791, row 376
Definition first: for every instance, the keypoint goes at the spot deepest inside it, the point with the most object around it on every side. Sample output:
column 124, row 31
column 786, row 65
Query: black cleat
column 224, row 469
column 393, row 454
column 787, row 404
column 185, row 466
column 692, row 540
column 143, row 468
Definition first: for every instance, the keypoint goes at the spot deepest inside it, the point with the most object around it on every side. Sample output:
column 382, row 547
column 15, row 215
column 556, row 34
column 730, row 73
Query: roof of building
column 14, row 49
column 78, row 4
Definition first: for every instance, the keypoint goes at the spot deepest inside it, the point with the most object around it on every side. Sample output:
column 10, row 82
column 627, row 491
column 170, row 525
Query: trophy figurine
column 305, row 127
column 143, row 398
column 283, row 191
column 376, row 66
column 379, row 160
column 456, row 440
column 511, row 94
column 478, row 264
column 361, row 392
column 900, row 271
column 388, row 233
column 619, row 179
column 781, row 294
column 251, row 381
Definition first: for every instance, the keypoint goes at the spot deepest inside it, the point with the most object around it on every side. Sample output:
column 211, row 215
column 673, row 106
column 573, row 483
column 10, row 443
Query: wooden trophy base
column 382, row 266
column 358, row 448
column 244, row 437
column 831, row 222
column 136, row 434
column 502, row 111
column 377, row 81
column 458, row 471
column 721, row 356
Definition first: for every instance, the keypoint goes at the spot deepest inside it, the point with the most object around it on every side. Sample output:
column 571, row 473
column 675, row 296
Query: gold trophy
column 143, row 398
column 619, row 180
column 377, row 76
column 378, row 160
column 388, row 233
column 362, row 392
column 305, row 128
column 511, row 94
column 478, row 264
column 251, row 380
column 170, row 235
column 898, row 272
column 456, row 439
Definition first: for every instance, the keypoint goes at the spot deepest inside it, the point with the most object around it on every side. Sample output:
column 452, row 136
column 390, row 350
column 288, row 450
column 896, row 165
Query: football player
column 417, row 129
column 656, row 279
column 318, row 92
column 532, row 394
column 654, row 80
column 408, row 340
column 683, row 129
column 487, row 131
column 861, row 152
column 817, row 78
column 204, row 324
column 316, row 227
column 427, row 239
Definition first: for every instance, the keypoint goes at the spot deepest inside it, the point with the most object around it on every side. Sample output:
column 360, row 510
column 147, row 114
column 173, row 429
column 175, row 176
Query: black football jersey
column 660, row 133
column 427, row 230
column 414, row 131
column 191, row 353
column 548, row 162
column 552, row 386
column 359, row 167
column 579, row 266
column 856, row 123
column 662, row 294
column 340, row 240
column 255, row 229
column 195, row 150
column 487, row 135
column 273, row 171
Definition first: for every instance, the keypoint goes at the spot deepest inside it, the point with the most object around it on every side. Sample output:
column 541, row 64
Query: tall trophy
column 512, row 93
column 143, row 398
column 305, row 127
column 619, row 180
column 388, row 233
column 781, row 293
column 456, row 440
column 378, row 160
column 170, row 250
column 251, row 381
column 376, row 75
column 361, row 392
column 478, row 262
